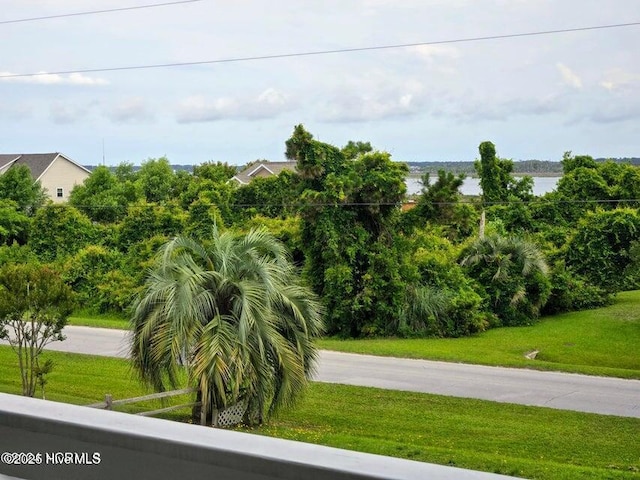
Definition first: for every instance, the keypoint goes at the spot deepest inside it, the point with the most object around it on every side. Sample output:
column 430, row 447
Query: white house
column 56, row 173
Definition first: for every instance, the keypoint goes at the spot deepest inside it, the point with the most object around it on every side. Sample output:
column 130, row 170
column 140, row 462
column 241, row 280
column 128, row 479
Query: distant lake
column 471, row 186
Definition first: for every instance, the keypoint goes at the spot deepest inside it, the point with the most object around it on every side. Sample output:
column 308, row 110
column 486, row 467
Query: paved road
column 610, row 396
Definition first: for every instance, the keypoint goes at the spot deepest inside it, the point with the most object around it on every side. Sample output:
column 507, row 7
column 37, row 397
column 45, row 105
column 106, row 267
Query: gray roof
column 37, row 162
column 6, row 159
column 275, row 168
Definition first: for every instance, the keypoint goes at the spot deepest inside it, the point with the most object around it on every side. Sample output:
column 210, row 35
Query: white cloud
column 569, row 76
column 412, row 3
column 268, row 104
column 370, row 96
column 618, row 78
column 622, row 113
column 272, row 98
column 16, row 111
column 63, row 113
column 44, row 78
column 134, row 109
column 430, row 52
column 440, row 61
column 354, row 107
column 614, row 106
column 413, row 98
column 362, row 108
column 80, row 79
column 478, row 109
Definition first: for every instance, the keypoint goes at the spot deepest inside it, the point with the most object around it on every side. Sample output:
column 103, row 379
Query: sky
column 534, row 97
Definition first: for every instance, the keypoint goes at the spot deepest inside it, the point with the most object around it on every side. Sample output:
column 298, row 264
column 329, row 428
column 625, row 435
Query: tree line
column 340, row 217
column 520, row 167
column 328, row 247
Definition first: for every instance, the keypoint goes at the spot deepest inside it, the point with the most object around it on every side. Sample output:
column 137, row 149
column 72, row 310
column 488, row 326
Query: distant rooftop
column 36, row 162
column 273, row 168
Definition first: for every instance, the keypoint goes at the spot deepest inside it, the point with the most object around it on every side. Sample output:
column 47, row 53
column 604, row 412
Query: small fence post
column 108, row 401
column 215, row 418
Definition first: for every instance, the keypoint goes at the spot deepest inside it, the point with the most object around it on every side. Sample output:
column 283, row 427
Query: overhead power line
column 95, row 12
column 321, row 52
column 478, row 202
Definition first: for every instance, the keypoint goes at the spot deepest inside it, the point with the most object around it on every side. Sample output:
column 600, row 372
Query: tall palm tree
column 233, row 312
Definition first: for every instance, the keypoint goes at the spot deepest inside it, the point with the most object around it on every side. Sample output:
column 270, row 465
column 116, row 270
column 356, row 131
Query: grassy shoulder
column 510, row 439
column 84, row 380
column 604, row 341
column 86, row 319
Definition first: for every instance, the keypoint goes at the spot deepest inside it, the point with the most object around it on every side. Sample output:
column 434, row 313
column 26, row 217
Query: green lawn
column 511, row 439
column 99, row 320
column 604, row 341
column 83, row 380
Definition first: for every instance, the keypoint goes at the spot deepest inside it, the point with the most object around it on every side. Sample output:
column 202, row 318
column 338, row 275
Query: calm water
column 471, row 186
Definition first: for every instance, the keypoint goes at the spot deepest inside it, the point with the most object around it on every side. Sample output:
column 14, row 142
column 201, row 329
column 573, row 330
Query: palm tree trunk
column 197, row 411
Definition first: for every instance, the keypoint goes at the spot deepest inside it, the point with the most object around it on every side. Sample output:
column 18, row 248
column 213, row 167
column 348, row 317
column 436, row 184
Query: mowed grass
column 604, row 341
column 509, row 439
column 86, row 319
column 85, row 379
column 524, row 441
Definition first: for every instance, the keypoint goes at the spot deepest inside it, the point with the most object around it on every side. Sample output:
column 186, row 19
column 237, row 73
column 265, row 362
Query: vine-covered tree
column 353, row 149
column 86, row 272
column 349, row 216
column 144, row 220
column 14, row 223
column 203, row 216
column 17, row 185
column 588, row 185
column 496, row 179
column 103, row 197
column 217, row 172
column 275, row 196
column 605, row 250
column 156, row 179
column 442, row 301
column 60, row 230
column 439, row 204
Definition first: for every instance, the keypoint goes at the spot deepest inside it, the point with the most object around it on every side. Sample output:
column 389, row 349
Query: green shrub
column 60, row 230
column 570, row 292
column 115, row 293
column 144, row 220
column 602, row 249
column 444, row 302
column 85, row 272
column 14, row 224
column 512, row 274
column 16, row 253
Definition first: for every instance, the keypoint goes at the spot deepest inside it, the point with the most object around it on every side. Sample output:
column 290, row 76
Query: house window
column 60, row 193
